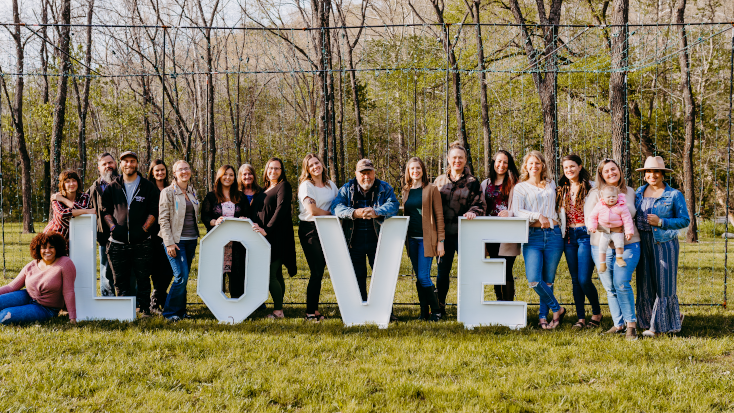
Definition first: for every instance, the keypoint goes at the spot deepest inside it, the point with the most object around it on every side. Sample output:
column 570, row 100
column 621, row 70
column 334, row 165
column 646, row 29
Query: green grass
column 292, row 365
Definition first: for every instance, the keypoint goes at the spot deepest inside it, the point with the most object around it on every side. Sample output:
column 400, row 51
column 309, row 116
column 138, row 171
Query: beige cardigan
column 433, row 225
column 506, row 249
column 172, row 212
column 593, row 198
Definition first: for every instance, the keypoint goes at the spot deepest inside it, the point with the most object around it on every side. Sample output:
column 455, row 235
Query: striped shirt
column 529, row 201
column 62, row 215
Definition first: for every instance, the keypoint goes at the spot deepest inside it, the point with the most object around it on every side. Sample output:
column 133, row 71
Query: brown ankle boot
column 631, row 333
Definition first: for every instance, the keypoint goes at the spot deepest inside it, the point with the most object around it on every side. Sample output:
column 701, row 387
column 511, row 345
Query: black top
column 275, row 217
column 212, row 209
column 129, row 220
column 413, row 208
column 95, row 202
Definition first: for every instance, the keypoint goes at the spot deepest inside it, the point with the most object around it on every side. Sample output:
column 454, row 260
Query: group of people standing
column 147, row 230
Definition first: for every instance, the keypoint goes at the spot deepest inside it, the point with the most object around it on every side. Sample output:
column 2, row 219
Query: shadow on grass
column 699, row 323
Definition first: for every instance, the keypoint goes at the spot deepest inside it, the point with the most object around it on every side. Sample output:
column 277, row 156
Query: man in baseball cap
column 362, row 204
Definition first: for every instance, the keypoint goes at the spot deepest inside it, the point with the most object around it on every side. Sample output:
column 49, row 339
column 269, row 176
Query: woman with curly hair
column 48, row 281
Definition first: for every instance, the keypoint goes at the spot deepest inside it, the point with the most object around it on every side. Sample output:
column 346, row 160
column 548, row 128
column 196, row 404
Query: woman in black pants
column 274, row 223
column 226, row 201
column 162, row 273
column 497, row 192
column 315, row 193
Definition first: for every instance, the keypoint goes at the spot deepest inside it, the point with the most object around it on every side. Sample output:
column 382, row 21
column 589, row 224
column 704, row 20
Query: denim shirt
column 672, row 210
column 386, row 206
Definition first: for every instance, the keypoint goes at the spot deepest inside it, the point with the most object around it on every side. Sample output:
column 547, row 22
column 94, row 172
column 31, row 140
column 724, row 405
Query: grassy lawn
column 293, row 365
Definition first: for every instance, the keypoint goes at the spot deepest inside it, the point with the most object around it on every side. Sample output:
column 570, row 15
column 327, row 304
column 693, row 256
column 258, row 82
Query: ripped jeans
column 18, row 307
column 542, row 253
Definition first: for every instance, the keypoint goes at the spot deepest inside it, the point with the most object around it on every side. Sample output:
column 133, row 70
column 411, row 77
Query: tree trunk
column 456, row 80
column 333, row 162
column 85, row 99
column 320, row 15
column 690, row 119
column 641, row 133
column 25, row 159
column 483, row 91
column 355, row 101
column 617, row 80
column 46, row 203
column 57, row 133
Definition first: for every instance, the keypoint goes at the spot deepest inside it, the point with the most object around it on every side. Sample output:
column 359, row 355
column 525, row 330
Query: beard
column 109, row 175
column 366, row 186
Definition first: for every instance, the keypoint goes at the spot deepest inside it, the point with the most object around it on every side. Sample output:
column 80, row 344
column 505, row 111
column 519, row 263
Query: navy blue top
column 641, row 217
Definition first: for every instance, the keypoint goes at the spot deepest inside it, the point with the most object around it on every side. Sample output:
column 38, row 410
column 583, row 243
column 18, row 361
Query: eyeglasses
column 184, row 169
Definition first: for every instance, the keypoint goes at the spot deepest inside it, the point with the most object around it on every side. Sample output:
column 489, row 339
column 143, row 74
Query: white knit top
column 529, row 201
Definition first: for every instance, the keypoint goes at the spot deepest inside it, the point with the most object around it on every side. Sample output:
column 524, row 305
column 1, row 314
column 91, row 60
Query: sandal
column 595, row 323
column 314, row 317
column 557, row 321
column 579, row 325
column 273, row 316
column 543, row 324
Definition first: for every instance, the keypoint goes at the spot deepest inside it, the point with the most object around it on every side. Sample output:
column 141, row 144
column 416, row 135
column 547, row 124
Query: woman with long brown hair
column 226, row 201
column 426, row 235
column 497, row 192
column 315, row 194
column 161, row 273
column 571, row 193
column 274, row 223
column 69, row 202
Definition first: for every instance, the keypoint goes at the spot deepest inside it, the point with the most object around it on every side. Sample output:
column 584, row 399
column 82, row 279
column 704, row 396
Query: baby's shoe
column 620, row 262
column 603, row 267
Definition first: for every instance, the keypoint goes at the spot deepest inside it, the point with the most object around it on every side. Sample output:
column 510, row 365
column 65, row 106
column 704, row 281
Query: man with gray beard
column 107, row 173
column 362, row 205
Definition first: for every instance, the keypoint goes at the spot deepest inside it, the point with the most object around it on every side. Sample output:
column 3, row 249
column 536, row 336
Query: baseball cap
column 129, row 153
column 365, row 165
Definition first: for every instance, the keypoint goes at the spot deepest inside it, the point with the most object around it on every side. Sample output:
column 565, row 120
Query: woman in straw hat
column 661, row 213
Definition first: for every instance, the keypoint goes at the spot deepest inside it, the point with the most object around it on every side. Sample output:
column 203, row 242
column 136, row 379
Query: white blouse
column 322, row 197
column 529, row 201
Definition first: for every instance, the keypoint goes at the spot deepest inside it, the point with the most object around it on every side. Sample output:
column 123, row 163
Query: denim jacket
column 672, row 210
column 386, row 206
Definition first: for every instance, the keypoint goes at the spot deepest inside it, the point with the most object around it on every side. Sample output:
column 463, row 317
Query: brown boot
column 631, row 333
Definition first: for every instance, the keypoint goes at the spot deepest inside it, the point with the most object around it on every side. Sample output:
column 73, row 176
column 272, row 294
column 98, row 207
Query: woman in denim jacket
column 662, row 212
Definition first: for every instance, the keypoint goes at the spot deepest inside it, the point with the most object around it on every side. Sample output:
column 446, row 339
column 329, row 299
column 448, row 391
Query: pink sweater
column 612, row 217
column 51, row 287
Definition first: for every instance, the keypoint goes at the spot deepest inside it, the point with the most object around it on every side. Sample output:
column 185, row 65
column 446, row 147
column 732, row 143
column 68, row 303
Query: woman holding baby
column 615, row 272
column 662, row 212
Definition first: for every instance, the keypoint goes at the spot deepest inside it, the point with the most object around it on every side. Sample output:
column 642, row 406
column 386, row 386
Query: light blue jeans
column 542, row 253
column 106, row 281
column 616, row 280
column 18, row 307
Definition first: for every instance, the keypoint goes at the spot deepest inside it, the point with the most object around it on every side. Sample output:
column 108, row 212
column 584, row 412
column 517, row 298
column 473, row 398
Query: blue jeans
column 542, row 253
column 421, row 263
column 106, row 280
column 18, row 307
column 578, row 256
column 181, row 264
column 616, row 280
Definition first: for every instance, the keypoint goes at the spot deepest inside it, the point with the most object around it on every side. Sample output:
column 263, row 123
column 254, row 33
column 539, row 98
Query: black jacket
column 211, row 209
column 129, row 219
column 95, row 202
column 272, row 211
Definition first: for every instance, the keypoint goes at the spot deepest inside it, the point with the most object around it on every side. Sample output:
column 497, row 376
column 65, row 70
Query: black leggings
column 504, row 292
column 316, row 263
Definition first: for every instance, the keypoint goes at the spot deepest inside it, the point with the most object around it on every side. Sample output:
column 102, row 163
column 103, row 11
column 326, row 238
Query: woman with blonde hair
column 426, row 235
column 534, row 198
column 178, row 211
column 315, row 194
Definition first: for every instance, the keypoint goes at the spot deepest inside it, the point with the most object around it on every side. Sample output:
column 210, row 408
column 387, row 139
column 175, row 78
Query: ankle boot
column 425, row 313
column 432, row 300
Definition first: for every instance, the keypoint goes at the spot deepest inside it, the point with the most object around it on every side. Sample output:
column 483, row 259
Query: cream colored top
column 529, row 201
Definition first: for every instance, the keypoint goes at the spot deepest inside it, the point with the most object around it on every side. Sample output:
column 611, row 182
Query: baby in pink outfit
column 612, row 213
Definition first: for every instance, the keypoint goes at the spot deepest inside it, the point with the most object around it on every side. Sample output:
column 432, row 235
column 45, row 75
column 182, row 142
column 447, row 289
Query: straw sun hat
column 654, row 163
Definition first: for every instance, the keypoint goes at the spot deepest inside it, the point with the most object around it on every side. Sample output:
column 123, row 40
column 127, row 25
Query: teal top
column 414, row 210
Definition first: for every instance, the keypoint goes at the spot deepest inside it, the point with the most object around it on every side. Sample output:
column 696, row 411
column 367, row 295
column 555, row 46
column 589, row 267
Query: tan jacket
column 172, row 212
column 506, row 249
column 433, row 225
column 592, row 199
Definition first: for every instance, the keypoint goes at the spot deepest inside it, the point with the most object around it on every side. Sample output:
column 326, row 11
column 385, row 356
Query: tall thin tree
column 57, row 133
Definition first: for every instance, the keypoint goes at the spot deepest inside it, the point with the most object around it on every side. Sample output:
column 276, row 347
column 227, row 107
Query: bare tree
column 690, row 121
column 17, row 119
column 617, row 85
column 57, row 133
column 474, row 9
column 545, row 78
column 83, row 98
column 351, row 45
column 46, row 202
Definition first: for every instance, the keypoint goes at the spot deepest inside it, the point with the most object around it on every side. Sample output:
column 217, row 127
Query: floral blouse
column 496, row 202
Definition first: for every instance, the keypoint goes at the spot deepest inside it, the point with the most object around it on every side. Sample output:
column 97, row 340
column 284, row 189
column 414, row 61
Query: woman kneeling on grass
column 422, row 203
column 48, row 281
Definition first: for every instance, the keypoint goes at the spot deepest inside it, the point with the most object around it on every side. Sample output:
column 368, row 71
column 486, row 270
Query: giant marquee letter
column 83, row 252
column 257, row 269
column 476, row 272
column 377, row 308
